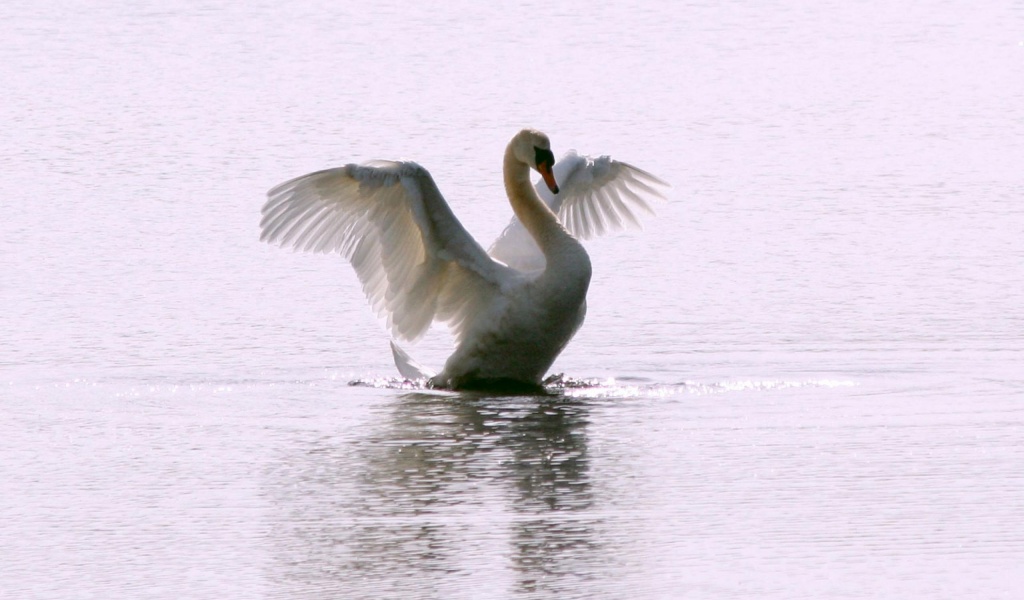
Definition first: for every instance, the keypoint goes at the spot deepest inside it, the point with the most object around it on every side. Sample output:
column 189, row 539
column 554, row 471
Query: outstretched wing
column 414, row 259
column 601, row 195
column 596, row 196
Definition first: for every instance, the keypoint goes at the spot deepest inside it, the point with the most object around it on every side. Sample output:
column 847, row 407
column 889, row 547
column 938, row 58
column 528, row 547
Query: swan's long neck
column 538, row 219
column 568, row 266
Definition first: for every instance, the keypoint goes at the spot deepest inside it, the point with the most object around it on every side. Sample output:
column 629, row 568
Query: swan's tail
column 409, row 368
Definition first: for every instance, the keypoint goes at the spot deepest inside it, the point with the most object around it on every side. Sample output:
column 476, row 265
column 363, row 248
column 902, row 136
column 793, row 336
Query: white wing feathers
column 596, row 196
column 414, row 259
column 601, row 195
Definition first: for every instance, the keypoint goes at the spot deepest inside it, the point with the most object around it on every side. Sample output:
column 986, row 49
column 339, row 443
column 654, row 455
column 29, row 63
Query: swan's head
column 534, row 148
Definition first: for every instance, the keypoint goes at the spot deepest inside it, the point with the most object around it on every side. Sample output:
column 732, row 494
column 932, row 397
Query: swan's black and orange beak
column 545, row 161
column 549, row 177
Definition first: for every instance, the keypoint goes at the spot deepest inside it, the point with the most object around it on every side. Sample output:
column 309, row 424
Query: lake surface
column 803, row 379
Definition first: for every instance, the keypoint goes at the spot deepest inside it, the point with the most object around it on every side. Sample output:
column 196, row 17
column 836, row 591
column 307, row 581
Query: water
column 805, row 372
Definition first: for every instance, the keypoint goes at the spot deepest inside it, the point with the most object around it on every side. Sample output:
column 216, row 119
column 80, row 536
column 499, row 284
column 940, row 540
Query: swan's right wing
column 596, row 196
column 414, row 259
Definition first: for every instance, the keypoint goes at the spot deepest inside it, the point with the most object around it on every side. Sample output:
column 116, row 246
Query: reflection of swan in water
column 432, row 487
column 513, row 311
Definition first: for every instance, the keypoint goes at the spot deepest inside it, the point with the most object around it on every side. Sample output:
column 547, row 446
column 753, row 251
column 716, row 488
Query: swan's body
column 513, row 311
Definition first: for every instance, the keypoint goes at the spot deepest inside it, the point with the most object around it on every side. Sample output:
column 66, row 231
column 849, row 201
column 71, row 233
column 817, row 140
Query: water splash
column 576, row 387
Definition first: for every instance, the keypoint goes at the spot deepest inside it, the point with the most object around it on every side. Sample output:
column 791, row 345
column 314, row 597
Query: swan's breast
column 523, row 334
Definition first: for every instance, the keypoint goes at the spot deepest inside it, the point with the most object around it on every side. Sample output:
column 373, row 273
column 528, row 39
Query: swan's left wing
column 416, row 262
column 601, row 195
column 596, row 196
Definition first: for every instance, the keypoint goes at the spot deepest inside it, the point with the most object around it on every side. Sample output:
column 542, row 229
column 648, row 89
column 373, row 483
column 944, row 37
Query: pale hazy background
column 815, row 347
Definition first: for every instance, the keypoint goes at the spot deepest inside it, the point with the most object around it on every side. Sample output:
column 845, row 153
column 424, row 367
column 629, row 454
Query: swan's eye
column 542, row 156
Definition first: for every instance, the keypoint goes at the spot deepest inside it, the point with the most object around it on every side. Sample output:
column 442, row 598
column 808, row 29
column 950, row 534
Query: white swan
column 513, row 311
